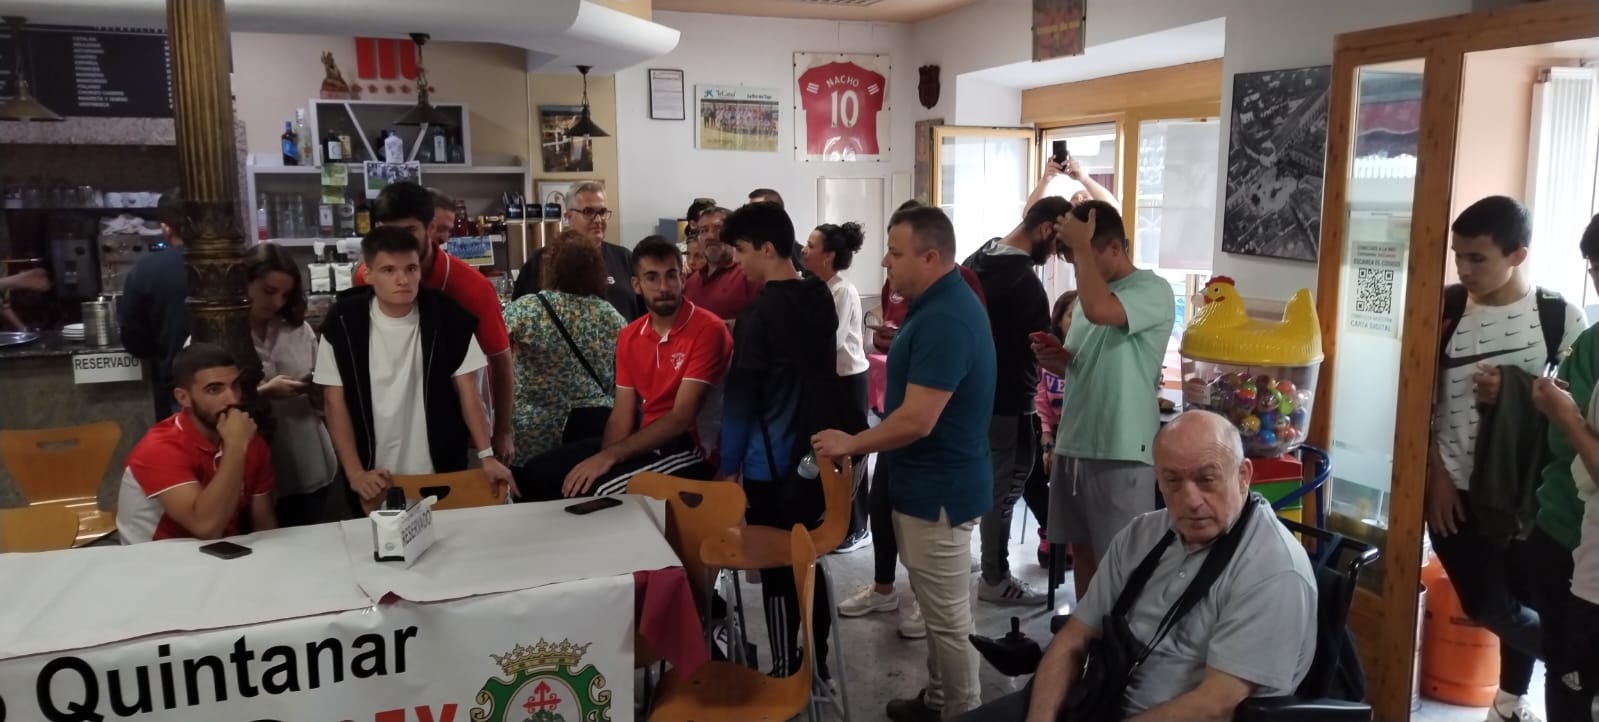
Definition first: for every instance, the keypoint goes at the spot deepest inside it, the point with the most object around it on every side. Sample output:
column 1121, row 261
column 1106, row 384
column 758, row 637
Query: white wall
column 1261, row 35
column 661, row 170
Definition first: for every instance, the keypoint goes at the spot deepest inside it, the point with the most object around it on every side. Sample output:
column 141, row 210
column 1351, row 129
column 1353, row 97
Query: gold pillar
column 203, row 105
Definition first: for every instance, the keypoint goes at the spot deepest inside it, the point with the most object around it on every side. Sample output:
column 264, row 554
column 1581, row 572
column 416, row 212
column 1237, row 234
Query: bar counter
column 39, row 388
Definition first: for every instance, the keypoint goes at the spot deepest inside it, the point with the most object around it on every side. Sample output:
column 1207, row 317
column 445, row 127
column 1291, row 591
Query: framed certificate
column 666, row 95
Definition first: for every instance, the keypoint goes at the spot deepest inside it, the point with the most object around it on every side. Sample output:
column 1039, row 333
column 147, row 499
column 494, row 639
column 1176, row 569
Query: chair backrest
column 837, row 483
column 455, row 490
column 1336, row 560
column 60, row 464
column 38, row 528
column 695, row 511
column 803, row 552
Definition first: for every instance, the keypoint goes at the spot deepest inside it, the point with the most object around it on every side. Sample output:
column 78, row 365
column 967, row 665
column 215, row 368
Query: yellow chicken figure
column 1222, row 331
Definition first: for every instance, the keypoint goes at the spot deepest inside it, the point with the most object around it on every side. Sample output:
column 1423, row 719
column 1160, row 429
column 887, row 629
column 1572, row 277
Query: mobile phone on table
column 593, row 505
column 225, row 550
column 1059, row 154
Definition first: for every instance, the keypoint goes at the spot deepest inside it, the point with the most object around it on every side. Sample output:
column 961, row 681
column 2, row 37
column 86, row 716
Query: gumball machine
column 1259, row 374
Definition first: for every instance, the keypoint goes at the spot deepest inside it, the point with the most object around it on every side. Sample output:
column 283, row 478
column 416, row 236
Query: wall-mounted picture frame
column 667, row 95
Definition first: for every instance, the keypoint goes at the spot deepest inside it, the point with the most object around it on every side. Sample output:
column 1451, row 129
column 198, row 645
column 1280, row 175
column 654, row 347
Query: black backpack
column 1551, row 316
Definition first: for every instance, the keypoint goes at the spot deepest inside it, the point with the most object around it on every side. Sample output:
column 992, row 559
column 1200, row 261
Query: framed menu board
column 95, row 72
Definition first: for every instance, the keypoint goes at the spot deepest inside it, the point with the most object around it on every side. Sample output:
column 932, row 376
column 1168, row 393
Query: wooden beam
column 1526, row 24
column 1199, row 81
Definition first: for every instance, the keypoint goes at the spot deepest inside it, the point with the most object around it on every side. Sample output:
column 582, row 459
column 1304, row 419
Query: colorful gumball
column 1266, row 437
column 1268, row 419
column 1250, row 425
column 1265, row 381
column 1280, row 423
column 1288, row 435
column 1286, row 406
column 1304, row 398
column 1245, row 395
column 1299, row 417
column 1287, row 388
column 1268, row 399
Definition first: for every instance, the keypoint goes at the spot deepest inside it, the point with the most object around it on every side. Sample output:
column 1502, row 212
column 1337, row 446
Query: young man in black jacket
column 1017, row 307
column 396, row 362
column 782, row 386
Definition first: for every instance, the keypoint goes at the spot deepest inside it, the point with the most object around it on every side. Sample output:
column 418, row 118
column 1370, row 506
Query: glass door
column 981, row 177
column 1381, row 186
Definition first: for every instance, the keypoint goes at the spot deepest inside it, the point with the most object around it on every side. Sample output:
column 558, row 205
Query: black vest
column 446, row 330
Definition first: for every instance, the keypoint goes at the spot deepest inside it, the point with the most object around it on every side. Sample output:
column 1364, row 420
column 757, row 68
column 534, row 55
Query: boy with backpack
column 1499, row 335
column 782, row 387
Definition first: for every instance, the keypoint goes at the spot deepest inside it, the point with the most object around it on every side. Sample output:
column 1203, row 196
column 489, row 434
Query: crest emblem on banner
column 544, row 683
column 927, row 89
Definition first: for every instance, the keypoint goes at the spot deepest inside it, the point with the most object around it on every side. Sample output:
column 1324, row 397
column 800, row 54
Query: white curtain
column 1562, row 159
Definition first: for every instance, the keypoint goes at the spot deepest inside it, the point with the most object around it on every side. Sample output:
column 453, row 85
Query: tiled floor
column 882, row 666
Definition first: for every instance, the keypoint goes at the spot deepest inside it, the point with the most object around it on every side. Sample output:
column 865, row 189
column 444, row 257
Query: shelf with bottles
column 354, row 131
column 446, row 170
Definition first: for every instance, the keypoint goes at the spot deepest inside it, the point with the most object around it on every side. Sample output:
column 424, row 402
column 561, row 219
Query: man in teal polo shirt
column 939, row 398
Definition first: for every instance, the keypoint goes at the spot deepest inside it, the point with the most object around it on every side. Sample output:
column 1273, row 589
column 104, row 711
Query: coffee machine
column 75, row 268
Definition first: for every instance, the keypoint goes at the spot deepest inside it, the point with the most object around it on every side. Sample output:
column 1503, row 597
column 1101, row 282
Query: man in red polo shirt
column 195, row 472
column 430, row 216
column 669, row 367
column 720, row 287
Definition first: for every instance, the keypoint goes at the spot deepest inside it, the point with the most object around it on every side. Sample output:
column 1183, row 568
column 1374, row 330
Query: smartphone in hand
column 1045, row 338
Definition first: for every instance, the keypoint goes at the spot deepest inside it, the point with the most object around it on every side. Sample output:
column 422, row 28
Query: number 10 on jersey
column 842, row 102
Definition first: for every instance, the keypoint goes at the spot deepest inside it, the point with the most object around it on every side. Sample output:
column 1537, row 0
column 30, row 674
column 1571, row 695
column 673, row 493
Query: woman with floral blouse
column 565, row 341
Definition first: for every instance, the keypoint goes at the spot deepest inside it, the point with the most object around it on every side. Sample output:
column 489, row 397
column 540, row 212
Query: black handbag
column 1113, row 658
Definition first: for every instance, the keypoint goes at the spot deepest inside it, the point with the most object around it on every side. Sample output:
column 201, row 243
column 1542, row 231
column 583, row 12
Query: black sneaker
column 853, row 542
column 913, row 710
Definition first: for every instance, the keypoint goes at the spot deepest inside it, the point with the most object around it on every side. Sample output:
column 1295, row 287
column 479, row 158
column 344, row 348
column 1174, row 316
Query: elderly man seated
column 1252, row 634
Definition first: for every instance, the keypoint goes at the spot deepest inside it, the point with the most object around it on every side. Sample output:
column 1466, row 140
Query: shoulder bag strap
column 1140, row 576
column 561, row 327
column 1209, row 571
column 1552, row 316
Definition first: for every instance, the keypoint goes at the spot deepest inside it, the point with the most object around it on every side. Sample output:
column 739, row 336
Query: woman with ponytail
column 829, row 250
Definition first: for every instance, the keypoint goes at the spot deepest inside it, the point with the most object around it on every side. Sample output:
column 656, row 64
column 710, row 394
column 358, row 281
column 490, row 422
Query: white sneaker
column 912, row 626
column 1519, row 710
column 1009, row 591
column 867, row 601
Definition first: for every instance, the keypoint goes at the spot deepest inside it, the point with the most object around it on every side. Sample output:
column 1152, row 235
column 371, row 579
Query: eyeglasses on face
column 593, row 213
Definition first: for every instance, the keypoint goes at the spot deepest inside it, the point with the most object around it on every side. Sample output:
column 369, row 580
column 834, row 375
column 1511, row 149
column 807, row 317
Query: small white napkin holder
column 403, row 535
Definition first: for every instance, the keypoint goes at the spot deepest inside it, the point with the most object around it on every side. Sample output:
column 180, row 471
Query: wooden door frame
column 1385, row 624
column 935, row 150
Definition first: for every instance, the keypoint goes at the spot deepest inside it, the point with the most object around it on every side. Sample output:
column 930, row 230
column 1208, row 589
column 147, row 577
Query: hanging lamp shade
column 585, row 126
column 23, row 106
column 423, row 113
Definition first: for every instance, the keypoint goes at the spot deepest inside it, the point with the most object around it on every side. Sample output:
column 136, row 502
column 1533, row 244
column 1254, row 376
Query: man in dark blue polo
column 940, row 396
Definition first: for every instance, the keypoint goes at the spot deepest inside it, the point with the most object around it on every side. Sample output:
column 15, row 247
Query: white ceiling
column 558, row 32
column 896, row 11
column 1187, row 44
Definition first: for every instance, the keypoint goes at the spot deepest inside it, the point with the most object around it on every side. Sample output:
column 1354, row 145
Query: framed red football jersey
column 843, row 104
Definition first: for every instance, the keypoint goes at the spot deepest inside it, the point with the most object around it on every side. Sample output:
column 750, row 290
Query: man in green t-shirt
column 1121, row 322
column 1548, row 551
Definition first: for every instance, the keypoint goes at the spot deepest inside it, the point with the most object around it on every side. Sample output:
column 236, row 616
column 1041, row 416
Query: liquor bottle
column 333, row 150
column 463, row 225
column 457, row 149
column 393, row 148
column 346, row 216
column 302, row 138
column 441, row 145
column 324, row 221
column 291, row 145
column 363, row 219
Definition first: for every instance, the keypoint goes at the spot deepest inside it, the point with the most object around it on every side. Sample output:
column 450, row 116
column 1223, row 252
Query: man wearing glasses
column 720, row 287
column 587, row 213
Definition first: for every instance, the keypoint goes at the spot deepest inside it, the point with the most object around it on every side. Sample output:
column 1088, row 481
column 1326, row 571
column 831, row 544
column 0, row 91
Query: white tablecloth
column 80, row 598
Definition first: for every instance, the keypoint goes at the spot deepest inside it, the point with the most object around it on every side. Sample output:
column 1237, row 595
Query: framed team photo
column 733, row 117
column 841, row 107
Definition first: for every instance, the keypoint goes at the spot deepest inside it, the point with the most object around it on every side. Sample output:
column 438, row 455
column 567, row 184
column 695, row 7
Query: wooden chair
column 63, row 467
column 455, row 490
column 733, row 692
column 42, row 528
column 763, row 547
column 695, row 511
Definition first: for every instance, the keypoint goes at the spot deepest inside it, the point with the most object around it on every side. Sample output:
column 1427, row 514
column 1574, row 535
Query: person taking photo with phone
column 197, row 471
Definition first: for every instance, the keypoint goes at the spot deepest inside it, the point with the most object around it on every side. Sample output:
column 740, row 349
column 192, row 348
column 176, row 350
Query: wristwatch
column 487, row 453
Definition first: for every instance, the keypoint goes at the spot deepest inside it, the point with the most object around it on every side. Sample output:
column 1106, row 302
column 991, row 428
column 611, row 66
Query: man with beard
column 195, row 472
column 721, row 286
column 587, row 213
column 669, row 365
column 1017, row 308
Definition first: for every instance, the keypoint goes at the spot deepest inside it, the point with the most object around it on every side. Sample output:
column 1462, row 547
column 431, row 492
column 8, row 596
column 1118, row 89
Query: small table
column 516, row 609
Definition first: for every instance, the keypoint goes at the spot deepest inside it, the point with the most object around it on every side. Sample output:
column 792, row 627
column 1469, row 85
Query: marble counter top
column 51, row 343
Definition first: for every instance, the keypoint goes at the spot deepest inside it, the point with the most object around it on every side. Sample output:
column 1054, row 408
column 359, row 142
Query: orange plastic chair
column 455, row 490
column 63, row 467
column 733, row 692
column 41, row 528
column 695, row 511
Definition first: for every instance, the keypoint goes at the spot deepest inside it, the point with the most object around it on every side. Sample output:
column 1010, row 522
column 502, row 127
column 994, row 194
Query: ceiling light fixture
column 585, row 127
column 22, row 106
column 423, row 113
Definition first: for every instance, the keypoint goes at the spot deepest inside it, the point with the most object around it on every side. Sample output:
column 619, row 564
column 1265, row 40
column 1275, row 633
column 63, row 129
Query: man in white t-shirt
column 397, row 361
column 1502, row 325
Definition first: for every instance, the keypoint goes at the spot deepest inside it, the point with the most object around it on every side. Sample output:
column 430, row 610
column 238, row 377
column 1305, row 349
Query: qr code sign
column 1374, row 290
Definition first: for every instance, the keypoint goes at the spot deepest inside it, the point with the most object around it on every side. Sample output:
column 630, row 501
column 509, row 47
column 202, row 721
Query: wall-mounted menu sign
column 95, row 72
